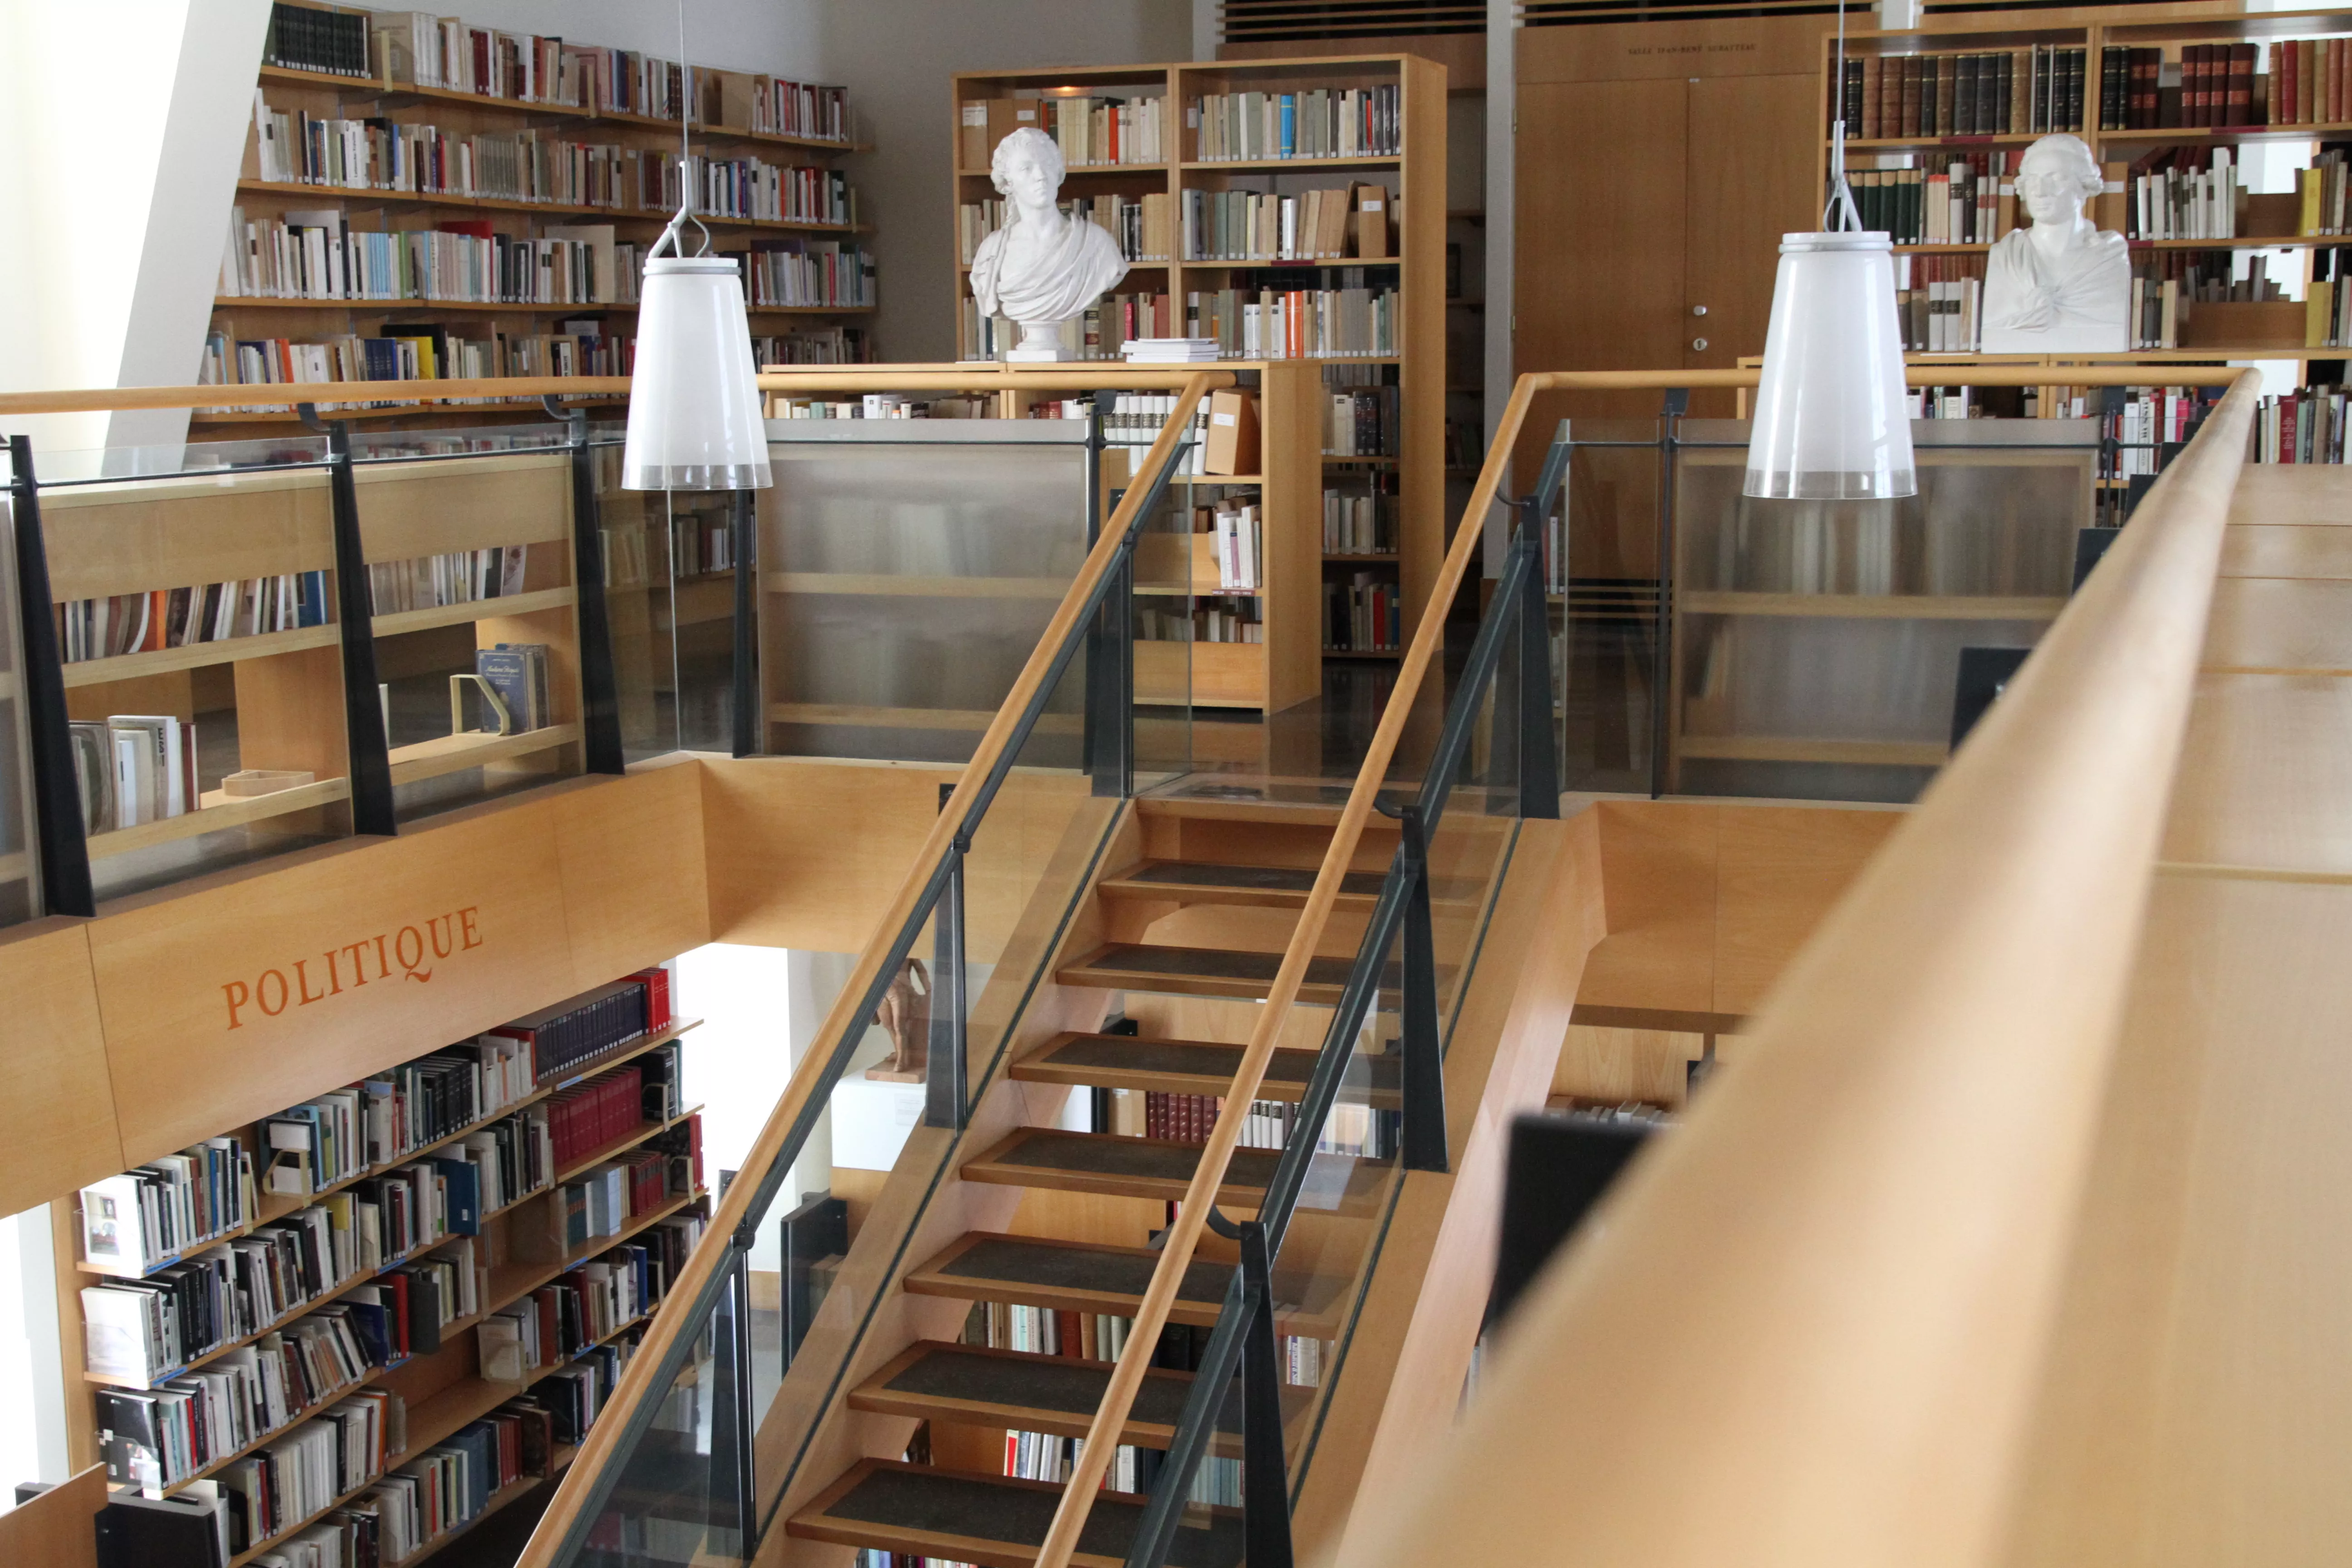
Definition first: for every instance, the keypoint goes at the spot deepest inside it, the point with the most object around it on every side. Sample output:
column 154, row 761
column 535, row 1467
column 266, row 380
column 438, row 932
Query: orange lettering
column 466, row 923
column 261, row 992
column 238, row 994
column 302, row 980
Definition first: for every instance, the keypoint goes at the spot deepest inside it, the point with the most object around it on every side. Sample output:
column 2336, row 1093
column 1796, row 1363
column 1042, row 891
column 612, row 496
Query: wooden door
column 1600, row 235
column 1749, row 182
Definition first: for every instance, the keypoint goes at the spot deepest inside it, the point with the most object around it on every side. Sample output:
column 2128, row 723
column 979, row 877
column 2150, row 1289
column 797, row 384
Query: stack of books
column 1171, row 351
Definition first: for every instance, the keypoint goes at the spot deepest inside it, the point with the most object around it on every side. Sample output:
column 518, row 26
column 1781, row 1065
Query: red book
column 1065, row 1334
column 2284, row 64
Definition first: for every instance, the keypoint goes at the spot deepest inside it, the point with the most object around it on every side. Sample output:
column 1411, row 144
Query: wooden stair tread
column 1209, row 971
column 1156, row 1168
column 993, row 1520
column 1028, row 1392
column 1095, row 1277
column 1202, row 881
column 1191, row 1066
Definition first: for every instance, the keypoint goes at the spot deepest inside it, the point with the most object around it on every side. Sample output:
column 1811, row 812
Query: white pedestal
column 871, row 1121
column 1035, row 357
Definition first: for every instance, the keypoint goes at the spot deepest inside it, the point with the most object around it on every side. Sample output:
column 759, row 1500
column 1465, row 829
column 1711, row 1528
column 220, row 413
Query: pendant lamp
column 1831, row 419
column 694, row 405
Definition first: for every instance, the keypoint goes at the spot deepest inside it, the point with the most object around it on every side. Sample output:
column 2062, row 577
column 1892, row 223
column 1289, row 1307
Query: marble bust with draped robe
column 1044, row 267
column 2063, row 286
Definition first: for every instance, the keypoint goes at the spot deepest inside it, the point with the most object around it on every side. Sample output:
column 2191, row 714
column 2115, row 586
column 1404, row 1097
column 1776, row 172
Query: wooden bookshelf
column 519, row 1249
column 724, row 130
column 2095, row 30
column 1415, row 269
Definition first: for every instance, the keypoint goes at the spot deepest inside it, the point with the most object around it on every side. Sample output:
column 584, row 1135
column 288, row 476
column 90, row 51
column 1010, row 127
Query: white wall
column 117, row 200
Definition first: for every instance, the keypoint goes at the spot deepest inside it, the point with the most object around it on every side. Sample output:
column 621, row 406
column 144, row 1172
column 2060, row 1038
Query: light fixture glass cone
column 694, row 402
column 1832, row 420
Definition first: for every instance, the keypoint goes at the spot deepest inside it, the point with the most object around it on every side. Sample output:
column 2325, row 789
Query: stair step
column 1210, row 972
column 1026, row 1392
column 1188, row 1067
column 1263, row 887
column 892, row 1507
column 1161, row 1168
column 1093, row 1276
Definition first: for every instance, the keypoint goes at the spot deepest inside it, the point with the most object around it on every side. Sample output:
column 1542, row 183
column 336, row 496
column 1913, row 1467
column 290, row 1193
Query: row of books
column 784, row 108
column 120, row 624
column 1093, row 132
column 700, row 545
column 134, row 1222
column 300, row 37
column 1238, row 531
column 452, row 577
column 1361, row 614
column 1360, row 523
column 2166, row 286
column 1101, row 1336
column 815, row 346
column 1313, row 226
column 138, row 1330
column 1229, row 621
column 374, row 1124
column 771, row 192
column 588, row 1304
column 1940, row 309
column 800, row 274
column 2326, row 208
column 2303, row 427
column 2328, row 306
column 287, row 1482
column 2187, row 193
column 451, row 1484
column 315, row 254
column 1962, row 200
column 1140, row 224
column 419, row 48
column 2150, row 419
column 566, row 1038
column 161, row 1436
column 2309, row 81
column 133, row 768
column 1132, row 423
column 612, row 1105
column 1364, row 422
column 420, row 158
column 2013, row 92
column 1323, row 122
column 1351, row 321
column 2212, row 84
column 603, row 1201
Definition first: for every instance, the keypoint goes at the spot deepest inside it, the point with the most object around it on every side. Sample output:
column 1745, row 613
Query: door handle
column 1699, row 344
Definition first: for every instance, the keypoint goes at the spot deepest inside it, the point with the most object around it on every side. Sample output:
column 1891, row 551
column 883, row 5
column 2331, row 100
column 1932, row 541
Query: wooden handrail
column 975, row 376
column 1208, row 1178
column 1812, row 1327
column 600, row 1449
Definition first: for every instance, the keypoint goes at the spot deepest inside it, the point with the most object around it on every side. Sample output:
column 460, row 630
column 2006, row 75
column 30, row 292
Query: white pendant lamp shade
column 694, row 405
column 1830, row 420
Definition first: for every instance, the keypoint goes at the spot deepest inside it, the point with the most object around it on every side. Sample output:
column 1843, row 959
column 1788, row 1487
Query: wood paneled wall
column 1659, row 163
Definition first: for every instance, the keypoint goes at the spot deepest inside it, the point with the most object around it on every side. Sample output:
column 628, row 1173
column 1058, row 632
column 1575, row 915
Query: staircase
column 1190, row 928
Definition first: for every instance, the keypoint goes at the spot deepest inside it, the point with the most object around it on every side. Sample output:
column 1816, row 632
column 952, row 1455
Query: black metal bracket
column 1662, row 662
column 1265, row 1476
column 599, row 694
column 364, row 721
column 1111, row 680
column 62, row 837
column 946, row 1089
column 1215, row 1220
column 744, row 524
column 1539, row 748
column 1421, row 1141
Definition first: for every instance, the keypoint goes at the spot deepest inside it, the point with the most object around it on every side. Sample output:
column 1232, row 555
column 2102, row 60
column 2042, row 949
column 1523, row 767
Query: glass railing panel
column 471, row 575
column 678, row 1492
column 908, row 567
column 194, row 607
column 1600, row 578
column 1817, row 645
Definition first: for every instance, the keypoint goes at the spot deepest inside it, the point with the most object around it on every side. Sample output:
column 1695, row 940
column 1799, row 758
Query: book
column 518, row 672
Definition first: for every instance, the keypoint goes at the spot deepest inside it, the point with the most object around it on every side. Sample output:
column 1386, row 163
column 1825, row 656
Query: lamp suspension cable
column 1841, row 212
column 673, row 233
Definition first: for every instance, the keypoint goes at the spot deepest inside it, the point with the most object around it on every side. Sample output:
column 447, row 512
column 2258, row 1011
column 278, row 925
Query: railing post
column 735, row 1390
column 946, row 1092
column 63, row 837
column 1265, row 1475
column 1662, row 655
column 1539, row 750
column 600, row 691
column 744, row 524
column 1422, row 1140
column 363, row 717
column 1090, row 725
column 1110, row 685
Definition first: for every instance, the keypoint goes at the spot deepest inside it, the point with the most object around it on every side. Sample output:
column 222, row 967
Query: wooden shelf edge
column 195, row 655
column 446, row 755
column 643, row 1131
column 238, row 813
column 394, row 623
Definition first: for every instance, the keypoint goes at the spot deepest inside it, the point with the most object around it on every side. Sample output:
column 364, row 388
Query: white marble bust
column 2062, row 285
column 1042, row 267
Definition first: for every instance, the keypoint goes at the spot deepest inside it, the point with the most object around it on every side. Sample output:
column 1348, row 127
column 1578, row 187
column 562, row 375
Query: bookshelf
column 2243, row 283
column 519, row 1246
column 209, row 599
column 1180, row 206
column 392, row 228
